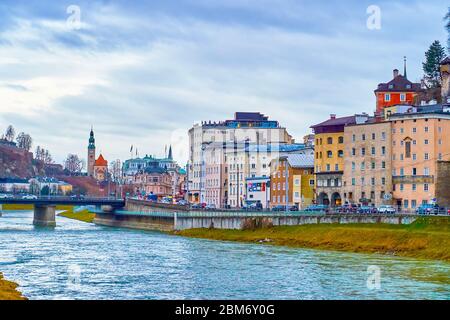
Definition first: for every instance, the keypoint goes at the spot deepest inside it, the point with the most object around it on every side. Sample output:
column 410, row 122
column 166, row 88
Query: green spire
column 91, row 140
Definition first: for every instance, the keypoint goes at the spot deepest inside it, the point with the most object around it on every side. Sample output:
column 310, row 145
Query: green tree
column 433, row 57
column 45, row 191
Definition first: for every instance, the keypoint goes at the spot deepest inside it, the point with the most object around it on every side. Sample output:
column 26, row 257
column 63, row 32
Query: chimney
column 332, row 116
column 395, row 72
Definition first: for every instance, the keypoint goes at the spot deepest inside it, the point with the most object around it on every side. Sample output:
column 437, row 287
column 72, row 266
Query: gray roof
column 301, row 160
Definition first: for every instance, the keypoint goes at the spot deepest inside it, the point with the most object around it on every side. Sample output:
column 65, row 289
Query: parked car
column 198, row 206
column 6, row 196
column 367, row 209
column 386, row 209
column 293, row 208
column 210, row 206
column 77, row 197
column 182, row 202
column 429, row 208
column 347, row 208
column 317, row 208
column 29, row 197
column 279, row 208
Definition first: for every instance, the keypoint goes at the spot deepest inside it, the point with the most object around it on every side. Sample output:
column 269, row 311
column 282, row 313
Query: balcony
column 412, row 179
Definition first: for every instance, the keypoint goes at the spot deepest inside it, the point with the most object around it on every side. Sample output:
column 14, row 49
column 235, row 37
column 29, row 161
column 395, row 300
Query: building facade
column 258, row 190
column 329, row 157
column 299, row 177
column 397, row 91
column 100, row 169
column 246, row 127
column 367, row 163
column 420, row 155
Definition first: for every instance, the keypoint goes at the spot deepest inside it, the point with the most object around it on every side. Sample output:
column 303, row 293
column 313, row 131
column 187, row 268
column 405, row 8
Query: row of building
column 39, row 185
column 400, row 155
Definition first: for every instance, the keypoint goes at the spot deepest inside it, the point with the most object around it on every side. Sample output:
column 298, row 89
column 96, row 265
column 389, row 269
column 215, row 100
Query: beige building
column 420, row 158
column 367, row 163
column 250, row 127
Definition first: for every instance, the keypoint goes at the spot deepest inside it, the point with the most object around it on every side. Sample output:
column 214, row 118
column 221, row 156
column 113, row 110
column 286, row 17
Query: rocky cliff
column 18, row 163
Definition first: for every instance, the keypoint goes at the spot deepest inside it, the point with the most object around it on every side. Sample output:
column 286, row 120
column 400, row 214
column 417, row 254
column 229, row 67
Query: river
column 77, row 260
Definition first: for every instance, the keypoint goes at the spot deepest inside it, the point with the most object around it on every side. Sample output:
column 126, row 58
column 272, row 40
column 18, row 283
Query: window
column 383, row 150
column 297, row 182
column 330, row 140
column 402, row 171
column 353, row 138
column 311, row 182
column 414, row 171
column 336, row 167
column 383, row 136
column 383, row 164
column 402, row 187
column 414, row 130
column 408, row 86
column 328, row 167
column 373, row 151
column 340, row 154
column 353, row 166
column 363, row 137
column 387, row 97
column 402, row 97
column 426, row 156
column 353, row 181
column 353, row 152
column 414, row 156
column 405, row 204
column 373, row 136
column 329, row 154
column 372, row 181
column 426, row 129
column 413, row 204
column 383, row 181
column 363, row 151
column 363, row 165
column 426, row 171
column 341, row 140
column 425, row 187
column 373, row 165
column 414, row 187
column 408, row 149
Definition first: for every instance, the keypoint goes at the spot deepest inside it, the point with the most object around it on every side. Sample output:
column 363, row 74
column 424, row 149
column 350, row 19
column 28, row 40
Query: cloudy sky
column 142, row 72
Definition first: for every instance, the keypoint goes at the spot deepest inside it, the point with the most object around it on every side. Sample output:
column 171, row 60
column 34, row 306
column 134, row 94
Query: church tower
column 91, row 154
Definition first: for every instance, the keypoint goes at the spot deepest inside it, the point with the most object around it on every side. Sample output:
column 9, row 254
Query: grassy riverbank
column 83, row 215
column 427, row 238
column 8, row 290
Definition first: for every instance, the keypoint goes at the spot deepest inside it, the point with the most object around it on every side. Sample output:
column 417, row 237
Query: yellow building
column 329, row 157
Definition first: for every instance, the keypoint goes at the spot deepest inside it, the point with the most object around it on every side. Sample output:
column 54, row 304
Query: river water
column 77, row 260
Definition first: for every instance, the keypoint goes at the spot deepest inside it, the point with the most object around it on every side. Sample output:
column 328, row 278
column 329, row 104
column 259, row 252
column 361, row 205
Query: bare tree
column 73, row 164
column 10, row 133
column 24, row 141
column 43, row 155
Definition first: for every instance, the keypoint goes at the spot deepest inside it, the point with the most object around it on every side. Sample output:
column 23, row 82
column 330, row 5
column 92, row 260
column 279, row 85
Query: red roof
column 101, row 162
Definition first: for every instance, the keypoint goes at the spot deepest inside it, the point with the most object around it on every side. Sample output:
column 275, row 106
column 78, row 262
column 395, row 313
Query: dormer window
column 391, row 86
column 408, row 86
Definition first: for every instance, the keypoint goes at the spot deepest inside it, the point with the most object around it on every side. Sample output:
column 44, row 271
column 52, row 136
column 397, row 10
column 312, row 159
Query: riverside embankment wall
column 164, row 217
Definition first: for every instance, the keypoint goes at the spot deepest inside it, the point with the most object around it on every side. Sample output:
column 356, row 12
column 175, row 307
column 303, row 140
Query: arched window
column 340, row 154
column 341, row 140
column 329, row 154
column 330, row 140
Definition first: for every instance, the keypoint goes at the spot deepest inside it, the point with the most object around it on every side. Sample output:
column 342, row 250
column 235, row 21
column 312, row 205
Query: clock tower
column 91, row 154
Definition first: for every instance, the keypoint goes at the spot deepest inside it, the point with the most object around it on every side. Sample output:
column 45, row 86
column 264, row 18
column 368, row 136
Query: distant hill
column 18, row 163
